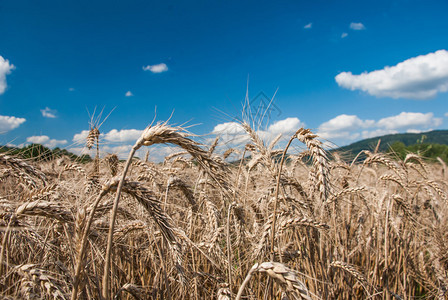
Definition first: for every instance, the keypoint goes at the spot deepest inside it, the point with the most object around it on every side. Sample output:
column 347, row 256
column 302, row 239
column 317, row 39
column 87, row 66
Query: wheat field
column 255, row 222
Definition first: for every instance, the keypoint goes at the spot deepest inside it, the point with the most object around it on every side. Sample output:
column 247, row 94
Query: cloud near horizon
column 5, row 68
column 124, row 135
column 346, row 128
column 159, row 68
column 233, row 133
column 8, row 123
column 45, row 140
column 418, row 78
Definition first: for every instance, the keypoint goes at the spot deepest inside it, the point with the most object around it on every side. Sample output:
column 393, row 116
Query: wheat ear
column 285, row 276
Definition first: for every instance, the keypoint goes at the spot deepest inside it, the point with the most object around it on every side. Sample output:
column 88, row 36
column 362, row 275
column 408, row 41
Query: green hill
column 425, row 139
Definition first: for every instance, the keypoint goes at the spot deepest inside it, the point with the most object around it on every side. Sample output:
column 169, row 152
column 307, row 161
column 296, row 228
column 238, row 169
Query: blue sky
column 346, row 69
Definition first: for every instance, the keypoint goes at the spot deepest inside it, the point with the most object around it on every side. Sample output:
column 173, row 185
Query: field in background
column 199, row 227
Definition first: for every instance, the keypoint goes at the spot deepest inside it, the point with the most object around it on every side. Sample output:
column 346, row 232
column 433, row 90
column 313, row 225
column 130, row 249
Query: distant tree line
column 41, row 153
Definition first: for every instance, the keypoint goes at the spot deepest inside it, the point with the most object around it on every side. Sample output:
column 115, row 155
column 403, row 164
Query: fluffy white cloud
column 233, row 133
column 357, row 26
column 112, row 137
column 46, row 141
column 129, row 94
column 53, row 143
column 308, row 26
column 124, row 135
column 288, row 125
column 8, row 123
column 40, row 139
column 48, row 113
column 228, row 128
column 122, row 151
column 410, row 120
column 343, row 126
column 80, row 137
column 5, row 69
column 420, row 77
column 156, row 68
column 344, row 35
column 157, row 153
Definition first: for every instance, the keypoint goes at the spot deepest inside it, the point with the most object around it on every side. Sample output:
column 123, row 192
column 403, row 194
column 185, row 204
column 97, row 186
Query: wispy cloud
column 5, row 69
column 71, row 89
column 48, row 113
column 8, row 123
column 129, row 94
column 420, row 77
column 357, row 26
column 159, row 68
column 308, row 26
column 344, row 35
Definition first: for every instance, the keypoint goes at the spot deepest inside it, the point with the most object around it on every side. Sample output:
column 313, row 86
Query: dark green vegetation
column 42, row 153
column 430, row 144
column 430, row 151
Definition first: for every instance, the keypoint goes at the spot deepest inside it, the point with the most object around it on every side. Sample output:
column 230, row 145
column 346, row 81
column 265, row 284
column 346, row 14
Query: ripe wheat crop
column 235, row 224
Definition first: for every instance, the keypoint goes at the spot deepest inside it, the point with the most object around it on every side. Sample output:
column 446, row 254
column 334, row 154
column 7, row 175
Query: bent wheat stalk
column 161, row 133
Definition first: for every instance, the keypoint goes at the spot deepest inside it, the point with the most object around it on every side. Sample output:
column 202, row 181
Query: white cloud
column 41, row 139
column 410, row 120
column 420, row 77
column 288, row 125
column 48, row 113
column 46, row 141
column 344, row 35
column 347, row 128
column 81, row 137
column 122, row 151
column 5, row 69
column 129, row 94
column 71, row 89
column 14, row 145
column 414, row 131
column 156, row 68
column 157, row 153
column 232, row 133
column 357, row 26
column 343, row 126
column 446, row 114
column 228, row 128
column 308, row 26
column 366, row 134
column 124, row 135
column 8, row 123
